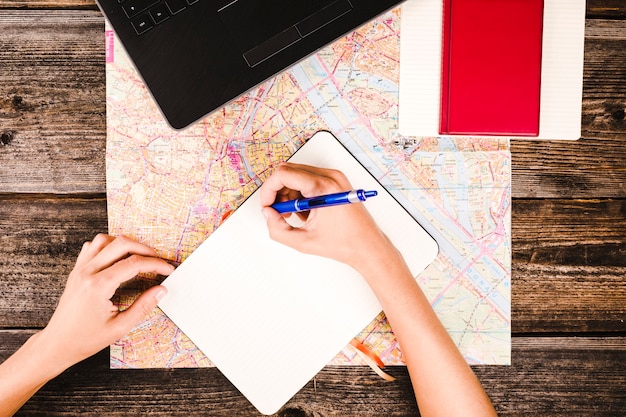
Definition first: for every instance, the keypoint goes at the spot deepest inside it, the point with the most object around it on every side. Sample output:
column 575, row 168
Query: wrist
column 25, row 372
column 48, row 355
column 383, row 265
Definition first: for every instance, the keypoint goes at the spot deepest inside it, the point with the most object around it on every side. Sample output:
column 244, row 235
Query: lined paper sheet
column 420, row 67
column 269, row 317
column 561, row 75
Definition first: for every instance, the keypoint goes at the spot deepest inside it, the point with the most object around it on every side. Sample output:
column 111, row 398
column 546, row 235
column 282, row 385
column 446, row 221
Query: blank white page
column 269, row 317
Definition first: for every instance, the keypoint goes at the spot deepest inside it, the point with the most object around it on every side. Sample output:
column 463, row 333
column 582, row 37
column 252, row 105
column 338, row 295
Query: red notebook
column 491, row 67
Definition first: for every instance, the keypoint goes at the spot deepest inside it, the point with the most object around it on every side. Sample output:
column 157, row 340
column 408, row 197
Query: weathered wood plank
column 52, row 102
column 48, row 4
column 560, row 376
column 40, row 240
column 555, row 376
column 569, row 260
column 587, row 168
column 569, row 264
column 606, row 9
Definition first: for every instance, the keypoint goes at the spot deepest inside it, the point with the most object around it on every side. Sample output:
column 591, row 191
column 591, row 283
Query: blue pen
column 303, row 204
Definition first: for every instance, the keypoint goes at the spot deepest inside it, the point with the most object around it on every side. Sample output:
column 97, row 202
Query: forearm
column 85, row 320
column 22, row 374
column 443, row 382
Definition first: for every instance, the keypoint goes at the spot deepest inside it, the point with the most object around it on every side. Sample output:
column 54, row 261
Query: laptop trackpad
column 262, row 28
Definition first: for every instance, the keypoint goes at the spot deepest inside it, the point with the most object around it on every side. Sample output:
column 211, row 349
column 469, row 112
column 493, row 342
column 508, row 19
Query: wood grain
column 551, row 376
column 41, row 237
column 569, row 264
column 606, row 9
column 52, row 102
column 48, row 4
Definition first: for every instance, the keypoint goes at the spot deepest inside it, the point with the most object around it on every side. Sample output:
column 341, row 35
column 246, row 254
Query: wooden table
column 568, row 221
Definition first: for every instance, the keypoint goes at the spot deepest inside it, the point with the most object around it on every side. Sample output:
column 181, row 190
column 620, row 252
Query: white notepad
column 269, row 317
column 563, row 51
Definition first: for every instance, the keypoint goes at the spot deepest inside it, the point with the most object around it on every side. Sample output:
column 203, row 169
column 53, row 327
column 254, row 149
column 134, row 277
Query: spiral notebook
column 269, row 317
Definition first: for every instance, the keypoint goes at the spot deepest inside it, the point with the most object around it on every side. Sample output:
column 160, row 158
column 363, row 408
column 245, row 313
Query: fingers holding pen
column 290, row 181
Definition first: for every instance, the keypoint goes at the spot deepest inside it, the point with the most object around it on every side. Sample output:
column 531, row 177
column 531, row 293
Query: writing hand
column 443, row 382
column 345, row 233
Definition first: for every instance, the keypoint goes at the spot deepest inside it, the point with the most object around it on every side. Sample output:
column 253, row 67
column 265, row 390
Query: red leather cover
column 491, row 67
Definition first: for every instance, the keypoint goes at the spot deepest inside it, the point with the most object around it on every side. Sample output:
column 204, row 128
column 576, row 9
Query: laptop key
column 133, row 7
column 142, row 24
column 176, row 6
column 159, row 13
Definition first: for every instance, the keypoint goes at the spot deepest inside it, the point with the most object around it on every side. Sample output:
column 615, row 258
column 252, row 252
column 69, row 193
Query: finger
column 91, row 249
column 285, row 194
column 334, row 174
column 294, row 177
column 84, row 254
column 302, row 216
column 309, row 181
column 118, row 249
column 141, row 308
column 128, row 268
column 281, row 231
column 308, row 168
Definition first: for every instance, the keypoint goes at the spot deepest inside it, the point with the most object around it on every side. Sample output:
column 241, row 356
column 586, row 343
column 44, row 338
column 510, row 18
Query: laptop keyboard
column 146, row 14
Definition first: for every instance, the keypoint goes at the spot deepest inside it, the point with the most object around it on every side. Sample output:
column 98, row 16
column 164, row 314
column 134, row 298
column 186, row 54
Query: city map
column 172, row 189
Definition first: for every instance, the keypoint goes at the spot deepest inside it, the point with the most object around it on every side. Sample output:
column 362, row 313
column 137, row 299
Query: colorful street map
column 172, row 189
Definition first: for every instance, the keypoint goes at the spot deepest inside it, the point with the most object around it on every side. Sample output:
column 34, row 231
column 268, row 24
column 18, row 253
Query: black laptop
column 197, row 55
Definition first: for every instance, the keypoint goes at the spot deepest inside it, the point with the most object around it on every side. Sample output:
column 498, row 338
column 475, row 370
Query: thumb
column 142, row 306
